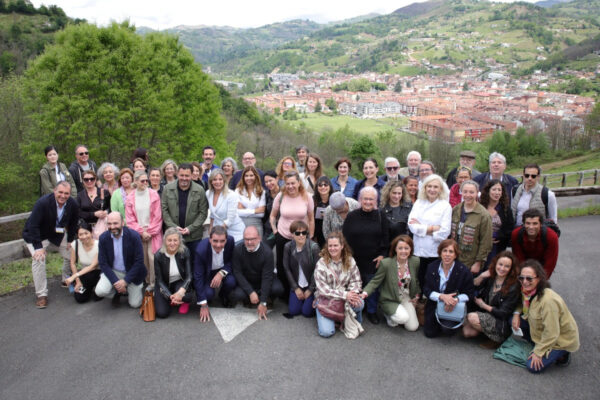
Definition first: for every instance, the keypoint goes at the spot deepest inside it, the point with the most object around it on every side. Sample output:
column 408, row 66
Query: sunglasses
column 532, row 176
column 89, row 179
column 323, row 184
column 143, row 180
column 84, row 153
column 527, row 278
column 300, row 233
column 392, row 168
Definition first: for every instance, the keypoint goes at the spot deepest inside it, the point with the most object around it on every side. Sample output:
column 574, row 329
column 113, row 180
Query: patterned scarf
column 527, row 297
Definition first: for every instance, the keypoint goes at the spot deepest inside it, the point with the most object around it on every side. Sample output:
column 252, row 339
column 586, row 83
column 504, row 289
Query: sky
column 237, row 13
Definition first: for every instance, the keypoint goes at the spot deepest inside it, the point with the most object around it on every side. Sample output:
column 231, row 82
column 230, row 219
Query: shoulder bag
column 458, row 314
column 147, row 310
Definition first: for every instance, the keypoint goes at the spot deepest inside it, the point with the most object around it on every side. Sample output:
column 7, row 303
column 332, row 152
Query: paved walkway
column 92, row 351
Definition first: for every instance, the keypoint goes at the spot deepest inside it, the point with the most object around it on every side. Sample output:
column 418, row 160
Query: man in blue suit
column 212, row 269
column 121, row 259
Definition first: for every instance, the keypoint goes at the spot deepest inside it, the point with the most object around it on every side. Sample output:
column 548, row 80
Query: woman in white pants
column 397, row 279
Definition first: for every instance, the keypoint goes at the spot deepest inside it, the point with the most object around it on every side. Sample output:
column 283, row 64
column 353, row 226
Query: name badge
column 60, row 229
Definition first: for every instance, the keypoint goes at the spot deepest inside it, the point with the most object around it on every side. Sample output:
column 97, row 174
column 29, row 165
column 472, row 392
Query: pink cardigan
column 155, row 227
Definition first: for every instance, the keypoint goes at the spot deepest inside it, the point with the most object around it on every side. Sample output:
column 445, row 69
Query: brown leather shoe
column 42, row 302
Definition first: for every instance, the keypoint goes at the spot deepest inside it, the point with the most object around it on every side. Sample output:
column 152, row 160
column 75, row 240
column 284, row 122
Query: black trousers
column 424, row 262
column 89, row 282
column 162, row 305
column 238, row 294
column 432, row 328
column 280, row 242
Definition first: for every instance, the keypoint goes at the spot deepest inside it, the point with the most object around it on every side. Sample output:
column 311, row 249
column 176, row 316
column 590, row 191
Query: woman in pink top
column 144, row 215
column 291, row 204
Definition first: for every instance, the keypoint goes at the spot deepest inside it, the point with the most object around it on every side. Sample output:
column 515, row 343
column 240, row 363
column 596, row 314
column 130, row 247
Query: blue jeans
column 326, row 326
column 548, row 360
column 373, row 299
column 296, row 306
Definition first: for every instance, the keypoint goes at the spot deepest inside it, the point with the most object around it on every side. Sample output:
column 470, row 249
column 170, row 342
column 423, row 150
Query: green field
column 320, row 123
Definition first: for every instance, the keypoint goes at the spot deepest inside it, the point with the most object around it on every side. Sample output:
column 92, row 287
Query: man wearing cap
column 336, row 212
column 467, row 159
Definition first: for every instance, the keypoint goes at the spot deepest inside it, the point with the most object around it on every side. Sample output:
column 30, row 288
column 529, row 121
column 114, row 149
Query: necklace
column 497, row 285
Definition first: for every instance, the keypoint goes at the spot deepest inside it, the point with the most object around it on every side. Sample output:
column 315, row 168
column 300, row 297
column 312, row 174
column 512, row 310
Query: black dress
column 87, row 208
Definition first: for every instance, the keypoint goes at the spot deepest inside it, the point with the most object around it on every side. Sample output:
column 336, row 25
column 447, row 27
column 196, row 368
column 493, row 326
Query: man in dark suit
column 53, row 215
column 248, row 160
column 121, row 260
column 212, row 269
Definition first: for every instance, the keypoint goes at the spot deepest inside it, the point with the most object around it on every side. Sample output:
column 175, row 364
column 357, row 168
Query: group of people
column 401, row 245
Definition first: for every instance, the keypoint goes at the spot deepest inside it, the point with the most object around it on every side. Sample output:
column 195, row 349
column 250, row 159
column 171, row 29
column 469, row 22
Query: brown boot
column 42, row 302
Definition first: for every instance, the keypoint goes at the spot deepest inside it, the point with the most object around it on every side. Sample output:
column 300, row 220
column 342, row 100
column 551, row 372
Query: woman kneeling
column 397, row 276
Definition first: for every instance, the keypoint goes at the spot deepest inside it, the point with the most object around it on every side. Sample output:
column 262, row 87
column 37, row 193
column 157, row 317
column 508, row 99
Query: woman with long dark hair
column 496, row 201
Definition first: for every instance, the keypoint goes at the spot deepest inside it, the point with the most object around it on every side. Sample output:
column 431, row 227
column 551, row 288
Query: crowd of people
column 407, row 245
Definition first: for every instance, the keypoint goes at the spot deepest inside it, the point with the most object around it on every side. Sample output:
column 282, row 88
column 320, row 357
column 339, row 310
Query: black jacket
column 254, row 271
column 162, row 266
column 77, row 173
column 309, row 256
column 502, row 305
column 41, row 224
column 460, row 281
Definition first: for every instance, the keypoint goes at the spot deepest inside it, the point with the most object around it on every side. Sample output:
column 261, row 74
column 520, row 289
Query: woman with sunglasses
column 94, row 202
column 497, row 299
column 299, row 259
column 545, row 320
column 143, row 214
column 323, row 192
column 291, row 204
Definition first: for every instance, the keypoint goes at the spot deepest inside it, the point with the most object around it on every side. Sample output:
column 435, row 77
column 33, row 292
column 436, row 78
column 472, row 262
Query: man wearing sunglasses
column 535, row 241
column 392, row 168
column 530, row 194
column 80, row 165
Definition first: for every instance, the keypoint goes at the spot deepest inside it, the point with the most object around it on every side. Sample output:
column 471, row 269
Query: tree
column 318, row 107
column 363, row 148
column 114, row 91
column 591, row 130
column 331, row 104
column 465, row 87
column 398, row 87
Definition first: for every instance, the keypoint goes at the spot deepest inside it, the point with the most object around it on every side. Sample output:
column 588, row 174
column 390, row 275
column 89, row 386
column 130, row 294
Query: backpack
column 547, row 221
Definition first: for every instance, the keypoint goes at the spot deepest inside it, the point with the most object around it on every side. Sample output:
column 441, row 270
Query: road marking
column 232, row 321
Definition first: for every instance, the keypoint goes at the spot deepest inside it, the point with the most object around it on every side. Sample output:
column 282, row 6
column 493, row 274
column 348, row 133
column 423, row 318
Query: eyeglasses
column 425, row 170
column 532, row 176
column 84, row 153
column 527, row 278
column 143, row 181
column 324, row 184
column 287, row 163
column 300, row 233
column 392, row 168
column 89, row 179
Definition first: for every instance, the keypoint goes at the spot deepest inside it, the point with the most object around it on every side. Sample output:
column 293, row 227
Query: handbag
column 100, row 226
column 458, row 314
column 147, row 310
column 331, row 308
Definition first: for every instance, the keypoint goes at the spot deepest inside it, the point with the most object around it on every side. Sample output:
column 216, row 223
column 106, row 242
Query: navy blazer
column 133, row 256
column 508, row 181
column 41, row 224
column 203, row 264
column 460, row 281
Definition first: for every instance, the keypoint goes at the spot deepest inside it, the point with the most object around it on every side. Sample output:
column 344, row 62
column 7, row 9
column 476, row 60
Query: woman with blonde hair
column 223, row 205
column 168, row 170
column 286, row 164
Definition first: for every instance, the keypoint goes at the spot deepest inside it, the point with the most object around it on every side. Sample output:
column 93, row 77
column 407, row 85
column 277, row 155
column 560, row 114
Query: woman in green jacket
column 53, row 172
column 398, row 284
column 472, row 228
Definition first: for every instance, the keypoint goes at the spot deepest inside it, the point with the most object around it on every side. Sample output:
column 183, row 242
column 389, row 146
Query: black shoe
column 373, row 318
column 116, row 300
column 564, row 360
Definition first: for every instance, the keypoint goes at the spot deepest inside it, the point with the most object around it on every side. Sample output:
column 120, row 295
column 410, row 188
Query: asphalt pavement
column 92, row 351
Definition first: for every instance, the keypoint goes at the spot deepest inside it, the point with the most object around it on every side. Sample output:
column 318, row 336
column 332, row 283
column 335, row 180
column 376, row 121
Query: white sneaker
column 390, row 322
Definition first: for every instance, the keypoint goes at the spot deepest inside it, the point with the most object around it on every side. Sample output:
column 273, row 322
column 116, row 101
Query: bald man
column 121, row 260
column 248, row 160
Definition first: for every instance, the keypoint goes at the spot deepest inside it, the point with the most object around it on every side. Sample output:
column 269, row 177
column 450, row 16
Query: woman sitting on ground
column 446, row 280
column 173, row 271
column 545, row 320
column 397, row 279
column 84, row 252
column 299, row 259
column 497, row 299
column 337, row 278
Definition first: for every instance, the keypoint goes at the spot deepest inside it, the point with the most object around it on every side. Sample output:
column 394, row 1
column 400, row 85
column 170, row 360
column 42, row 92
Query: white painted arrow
column 232, row 321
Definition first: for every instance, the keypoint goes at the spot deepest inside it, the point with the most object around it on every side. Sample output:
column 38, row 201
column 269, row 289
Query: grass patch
column 320, row 123
column 579, row 212
column 17, row 274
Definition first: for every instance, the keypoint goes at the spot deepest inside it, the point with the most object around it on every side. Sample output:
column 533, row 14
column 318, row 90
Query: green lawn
column 320, row 123
column 17, row 274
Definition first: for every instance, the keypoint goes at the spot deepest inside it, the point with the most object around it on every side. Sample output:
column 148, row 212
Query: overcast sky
column 239, row 13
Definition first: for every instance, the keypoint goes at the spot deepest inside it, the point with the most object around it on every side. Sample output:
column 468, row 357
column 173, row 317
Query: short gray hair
column 368, row 189
column 232, row 161
column 470, row 182
column 390, row 159
column 169, row 232
column 497, row 155
column 413, row 153
column 111, row 166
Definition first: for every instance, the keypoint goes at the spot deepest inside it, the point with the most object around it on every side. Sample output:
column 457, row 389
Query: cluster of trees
column 114, row 91
column 359, row 85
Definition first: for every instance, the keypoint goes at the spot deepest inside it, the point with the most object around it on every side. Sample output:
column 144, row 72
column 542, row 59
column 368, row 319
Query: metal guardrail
column 575, row 179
